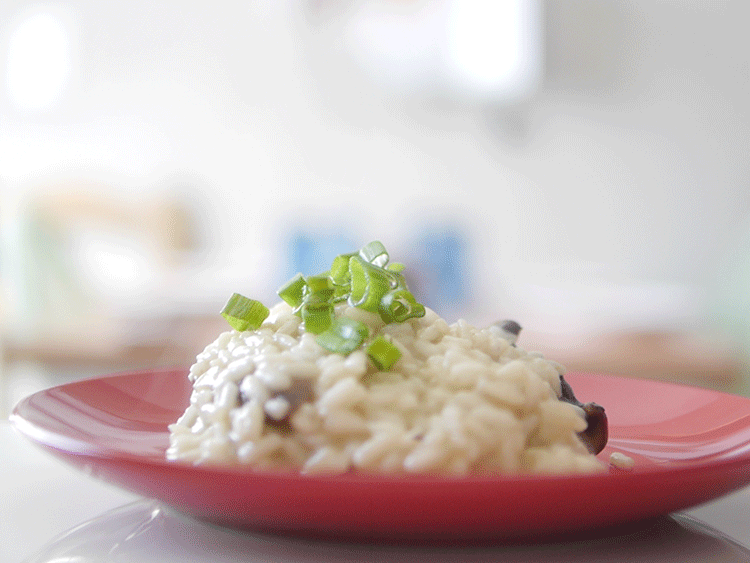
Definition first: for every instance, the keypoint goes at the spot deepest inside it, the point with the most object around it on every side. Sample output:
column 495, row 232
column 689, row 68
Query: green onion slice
column 243, row 313
column 369, row 284
column 293, row 290
column 400, row 305
column 319, row 287
column 398, row 281
column 374, row 253
column 339, row 272
column 317, row 316
column 343, row 336
column 364, row 279
column 383, row 354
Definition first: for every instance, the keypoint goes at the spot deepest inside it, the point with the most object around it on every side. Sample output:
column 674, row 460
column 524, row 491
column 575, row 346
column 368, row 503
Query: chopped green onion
column 398, row 281
column 364, row 279
column 339, row 272
column 243, row 313
column 369, row 284
column 375, row 253
column 400, row 305
column 340, row 294
column 317, row 316
column 293, row 290
column 319, row 287
column 343, row 336
column 383, row 353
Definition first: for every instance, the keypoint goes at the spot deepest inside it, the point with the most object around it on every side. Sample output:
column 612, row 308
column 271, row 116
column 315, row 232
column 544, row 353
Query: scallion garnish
column 364, row 279
column 319, row 287
column 383, row 353
column 369, row 283
column 243, row 313
column 293, row 291
column 317, row 316
column 374, row 253
column 400, row 305
column 343, row 336
column 339, row 271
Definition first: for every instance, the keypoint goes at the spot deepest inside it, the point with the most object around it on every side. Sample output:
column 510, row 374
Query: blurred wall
column 609, row 197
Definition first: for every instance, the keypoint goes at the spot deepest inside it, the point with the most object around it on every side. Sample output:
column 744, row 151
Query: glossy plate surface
column 690, row 445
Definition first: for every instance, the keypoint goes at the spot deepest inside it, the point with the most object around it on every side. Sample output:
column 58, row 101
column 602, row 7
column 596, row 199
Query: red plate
column 690, row 445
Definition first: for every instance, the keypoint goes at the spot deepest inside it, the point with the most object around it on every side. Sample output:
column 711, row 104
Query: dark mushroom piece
column 511, row 330
column 300, row 391
column 597, row 432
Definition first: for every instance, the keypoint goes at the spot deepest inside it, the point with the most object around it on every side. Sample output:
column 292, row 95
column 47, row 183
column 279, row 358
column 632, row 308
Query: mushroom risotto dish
column 350, row 373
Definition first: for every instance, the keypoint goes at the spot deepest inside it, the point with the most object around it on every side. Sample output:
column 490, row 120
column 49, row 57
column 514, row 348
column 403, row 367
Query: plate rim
column 36, row 434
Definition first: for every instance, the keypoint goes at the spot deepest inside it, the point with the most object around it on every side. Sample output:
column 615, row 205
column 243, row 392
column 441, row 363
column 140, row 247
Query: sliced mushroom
column 597, row 432
column 511, row 330
column 301, row 391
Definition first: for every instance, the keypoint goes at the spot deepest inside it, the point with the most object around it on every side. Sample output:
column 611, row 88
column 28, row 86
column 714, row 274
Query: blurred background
column 578, row 166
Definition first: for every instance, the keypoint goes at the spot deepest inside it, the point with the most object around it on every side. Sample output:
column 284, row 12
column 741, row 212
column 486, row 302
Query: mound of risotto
column 350, row 373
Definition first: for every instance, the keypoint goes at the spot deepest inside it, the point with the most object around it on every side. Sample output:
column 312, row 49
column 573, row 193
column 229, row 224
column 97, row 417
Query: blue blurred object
column 312, row 253
column 442, row 270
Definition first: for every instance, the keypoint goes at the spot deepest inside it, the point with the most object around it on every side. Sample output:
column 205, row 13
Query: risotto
column 409, row 396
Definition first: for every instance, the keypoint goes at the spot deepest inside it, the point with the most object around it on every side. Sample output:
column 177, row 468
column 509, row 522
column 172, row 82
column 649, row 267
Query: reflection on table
column 146, row 531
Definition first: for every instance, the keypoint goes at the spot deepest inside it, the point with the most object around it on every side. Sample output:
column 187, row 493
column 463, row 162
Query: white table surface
column 41, row 498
